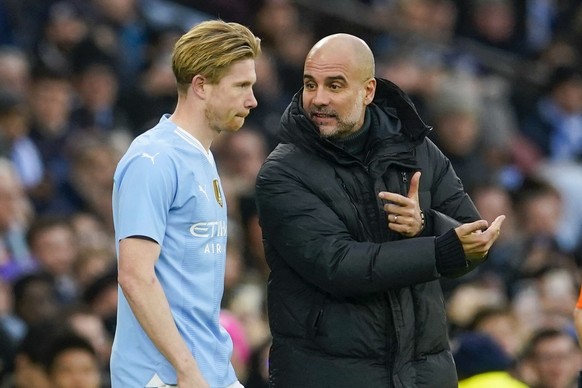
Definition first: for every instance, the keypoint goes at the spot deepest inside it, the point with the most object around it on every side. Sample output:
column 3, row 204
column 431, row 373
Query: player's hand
column 403, row 213
column 477, row 238
column 191, row 377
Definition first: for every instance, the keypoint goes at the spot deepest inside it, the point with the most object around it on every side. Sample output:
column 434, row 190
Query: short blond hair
column 209, row 48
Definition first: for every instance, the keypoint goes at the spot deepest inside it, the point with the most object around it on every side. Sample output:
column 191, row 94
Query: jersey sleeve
column 143, row 194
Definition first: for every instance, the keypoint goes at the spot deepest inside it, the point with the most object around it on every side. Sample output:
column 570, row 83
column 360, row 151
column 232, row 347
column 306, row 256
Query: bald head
column 338, row 84
column 348, row 49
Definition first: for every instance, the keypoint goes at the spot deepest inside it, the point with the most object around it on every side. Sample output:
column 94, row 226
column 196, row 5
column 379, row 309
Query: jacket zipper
column 405, row 182
column 351, row 200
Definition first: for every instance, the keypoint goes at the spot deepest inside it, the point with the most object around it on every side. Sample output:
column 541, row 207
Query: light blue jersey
column 166, row 187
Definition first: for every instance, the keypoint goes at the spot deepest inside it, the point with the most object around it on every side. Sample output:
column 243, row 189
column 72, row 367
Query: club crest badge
column 217, row 193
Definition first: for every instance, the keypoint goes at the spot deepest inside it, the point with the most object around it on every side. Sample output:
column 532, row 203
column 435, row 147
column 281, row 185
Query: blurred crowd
column 500, row 81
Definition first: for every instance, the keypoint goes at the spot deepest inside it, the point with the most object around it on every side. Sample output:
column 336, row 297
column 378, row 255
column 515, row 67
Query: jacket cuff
column 449, row 253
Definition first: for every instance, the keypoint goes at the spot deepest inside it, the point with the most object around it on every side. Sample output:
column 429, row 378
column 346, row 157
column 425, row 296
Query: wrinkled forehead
column 325, row 62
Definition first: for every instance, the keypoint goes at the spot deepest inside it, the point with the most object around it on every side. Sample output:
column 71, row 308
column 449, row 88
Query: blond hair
column 209, row 48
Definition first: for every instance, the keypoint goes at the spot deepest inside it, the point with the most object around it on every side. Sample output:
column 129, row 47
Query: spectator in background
column 90, row 179
column 555, row 125
column 65, row 30
column 15, row 141
column 14, row 71
column 35, row 299
column 15, row 215
column 85, row 323
column 495, row 24
column 466, row 300
column 30, row 357
column 539, row 208
column 545, row 300
column 52, row 244
column 240, row 156
column 482, row 363
column 455, row 112
column 553, row 358
column 71, row 362
column 289, row 35
column 566, row 178
column 96, row 112
column 122, row 32
column 500, row 323
column 51, row 102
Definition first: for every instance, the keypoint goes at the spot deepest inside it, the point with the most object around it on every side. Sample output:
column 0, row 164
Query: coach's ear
column 370, row 91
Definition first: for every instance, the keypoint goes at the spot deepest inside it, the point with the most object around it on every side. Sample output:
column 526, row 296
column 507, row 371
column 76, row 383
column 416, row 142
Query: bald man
column 355, row 238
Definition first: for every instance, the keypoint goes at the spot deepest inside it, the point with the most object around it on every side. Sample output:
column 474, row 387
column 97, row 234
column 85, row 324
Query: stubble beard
column 344, row 127
column 218, row 125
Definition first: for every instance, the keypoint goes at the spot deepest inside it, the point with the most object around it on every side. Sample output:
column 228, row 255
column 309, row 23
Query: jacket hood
column 386, row 142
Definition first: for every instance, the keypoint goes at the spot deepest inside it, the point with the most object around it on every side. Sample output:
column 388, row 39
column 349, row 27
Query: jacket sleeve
column 301, row 231
column 450, row 204
column 448, row 195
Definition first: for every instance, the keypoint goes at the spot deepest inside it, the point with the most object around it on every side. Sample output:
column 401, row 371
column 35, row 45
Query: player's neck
column 195, row 124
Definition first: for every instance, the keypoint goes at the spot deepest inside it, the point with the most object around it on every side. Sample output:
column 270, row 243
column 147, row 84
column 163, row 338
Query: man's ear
column 370, row 90
column 198, row 85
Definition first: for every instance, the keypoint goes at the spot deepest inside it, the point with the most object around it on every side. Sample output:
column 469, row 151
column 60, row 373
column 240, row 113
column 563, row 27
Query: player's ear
column 198, row 85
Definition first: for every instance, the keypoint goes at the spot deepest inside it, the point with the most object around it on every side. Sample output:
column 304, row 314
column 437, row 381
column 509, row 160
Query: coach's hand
column 403, row 213
column 477, row 238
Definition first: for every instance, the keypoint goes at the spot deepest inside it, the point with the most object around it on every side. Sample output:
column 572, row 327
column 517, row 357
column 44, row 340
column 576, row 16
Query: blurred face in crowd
column 75, row 368
column 244, row 155
column 338, row 84
column 55, row 249
column 457, row 132
column 51, row 104
column 38, row 302
column 557, row 361
column 569, row 96
column 541, row 214
column 29, row 374
column 98, row 87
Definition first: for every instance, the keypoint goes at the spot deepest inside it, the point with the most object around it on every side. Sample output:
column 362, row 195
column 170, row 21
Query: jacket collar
column 387, row 142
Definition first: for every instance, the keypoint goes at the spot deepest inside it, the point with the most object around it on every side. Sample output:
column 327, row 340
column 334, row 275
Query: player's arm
column 149, row 304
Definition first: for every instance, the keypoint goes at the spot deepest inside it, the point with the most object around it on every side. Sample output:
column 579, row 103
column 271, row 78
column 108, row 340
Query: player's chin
column 235, row 124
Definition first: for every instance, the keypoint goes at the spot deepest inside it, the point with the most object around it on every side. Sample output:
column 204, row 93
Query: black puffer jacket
column 352, row 304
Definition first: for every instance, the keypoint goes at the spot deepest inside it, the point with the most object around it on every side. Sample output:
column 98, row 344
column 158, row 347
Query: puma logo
column 150, row 157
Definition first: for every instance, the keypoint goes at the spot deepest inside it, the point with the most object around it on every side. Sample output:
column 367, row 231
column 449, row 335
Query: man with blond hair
column 170, row 220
